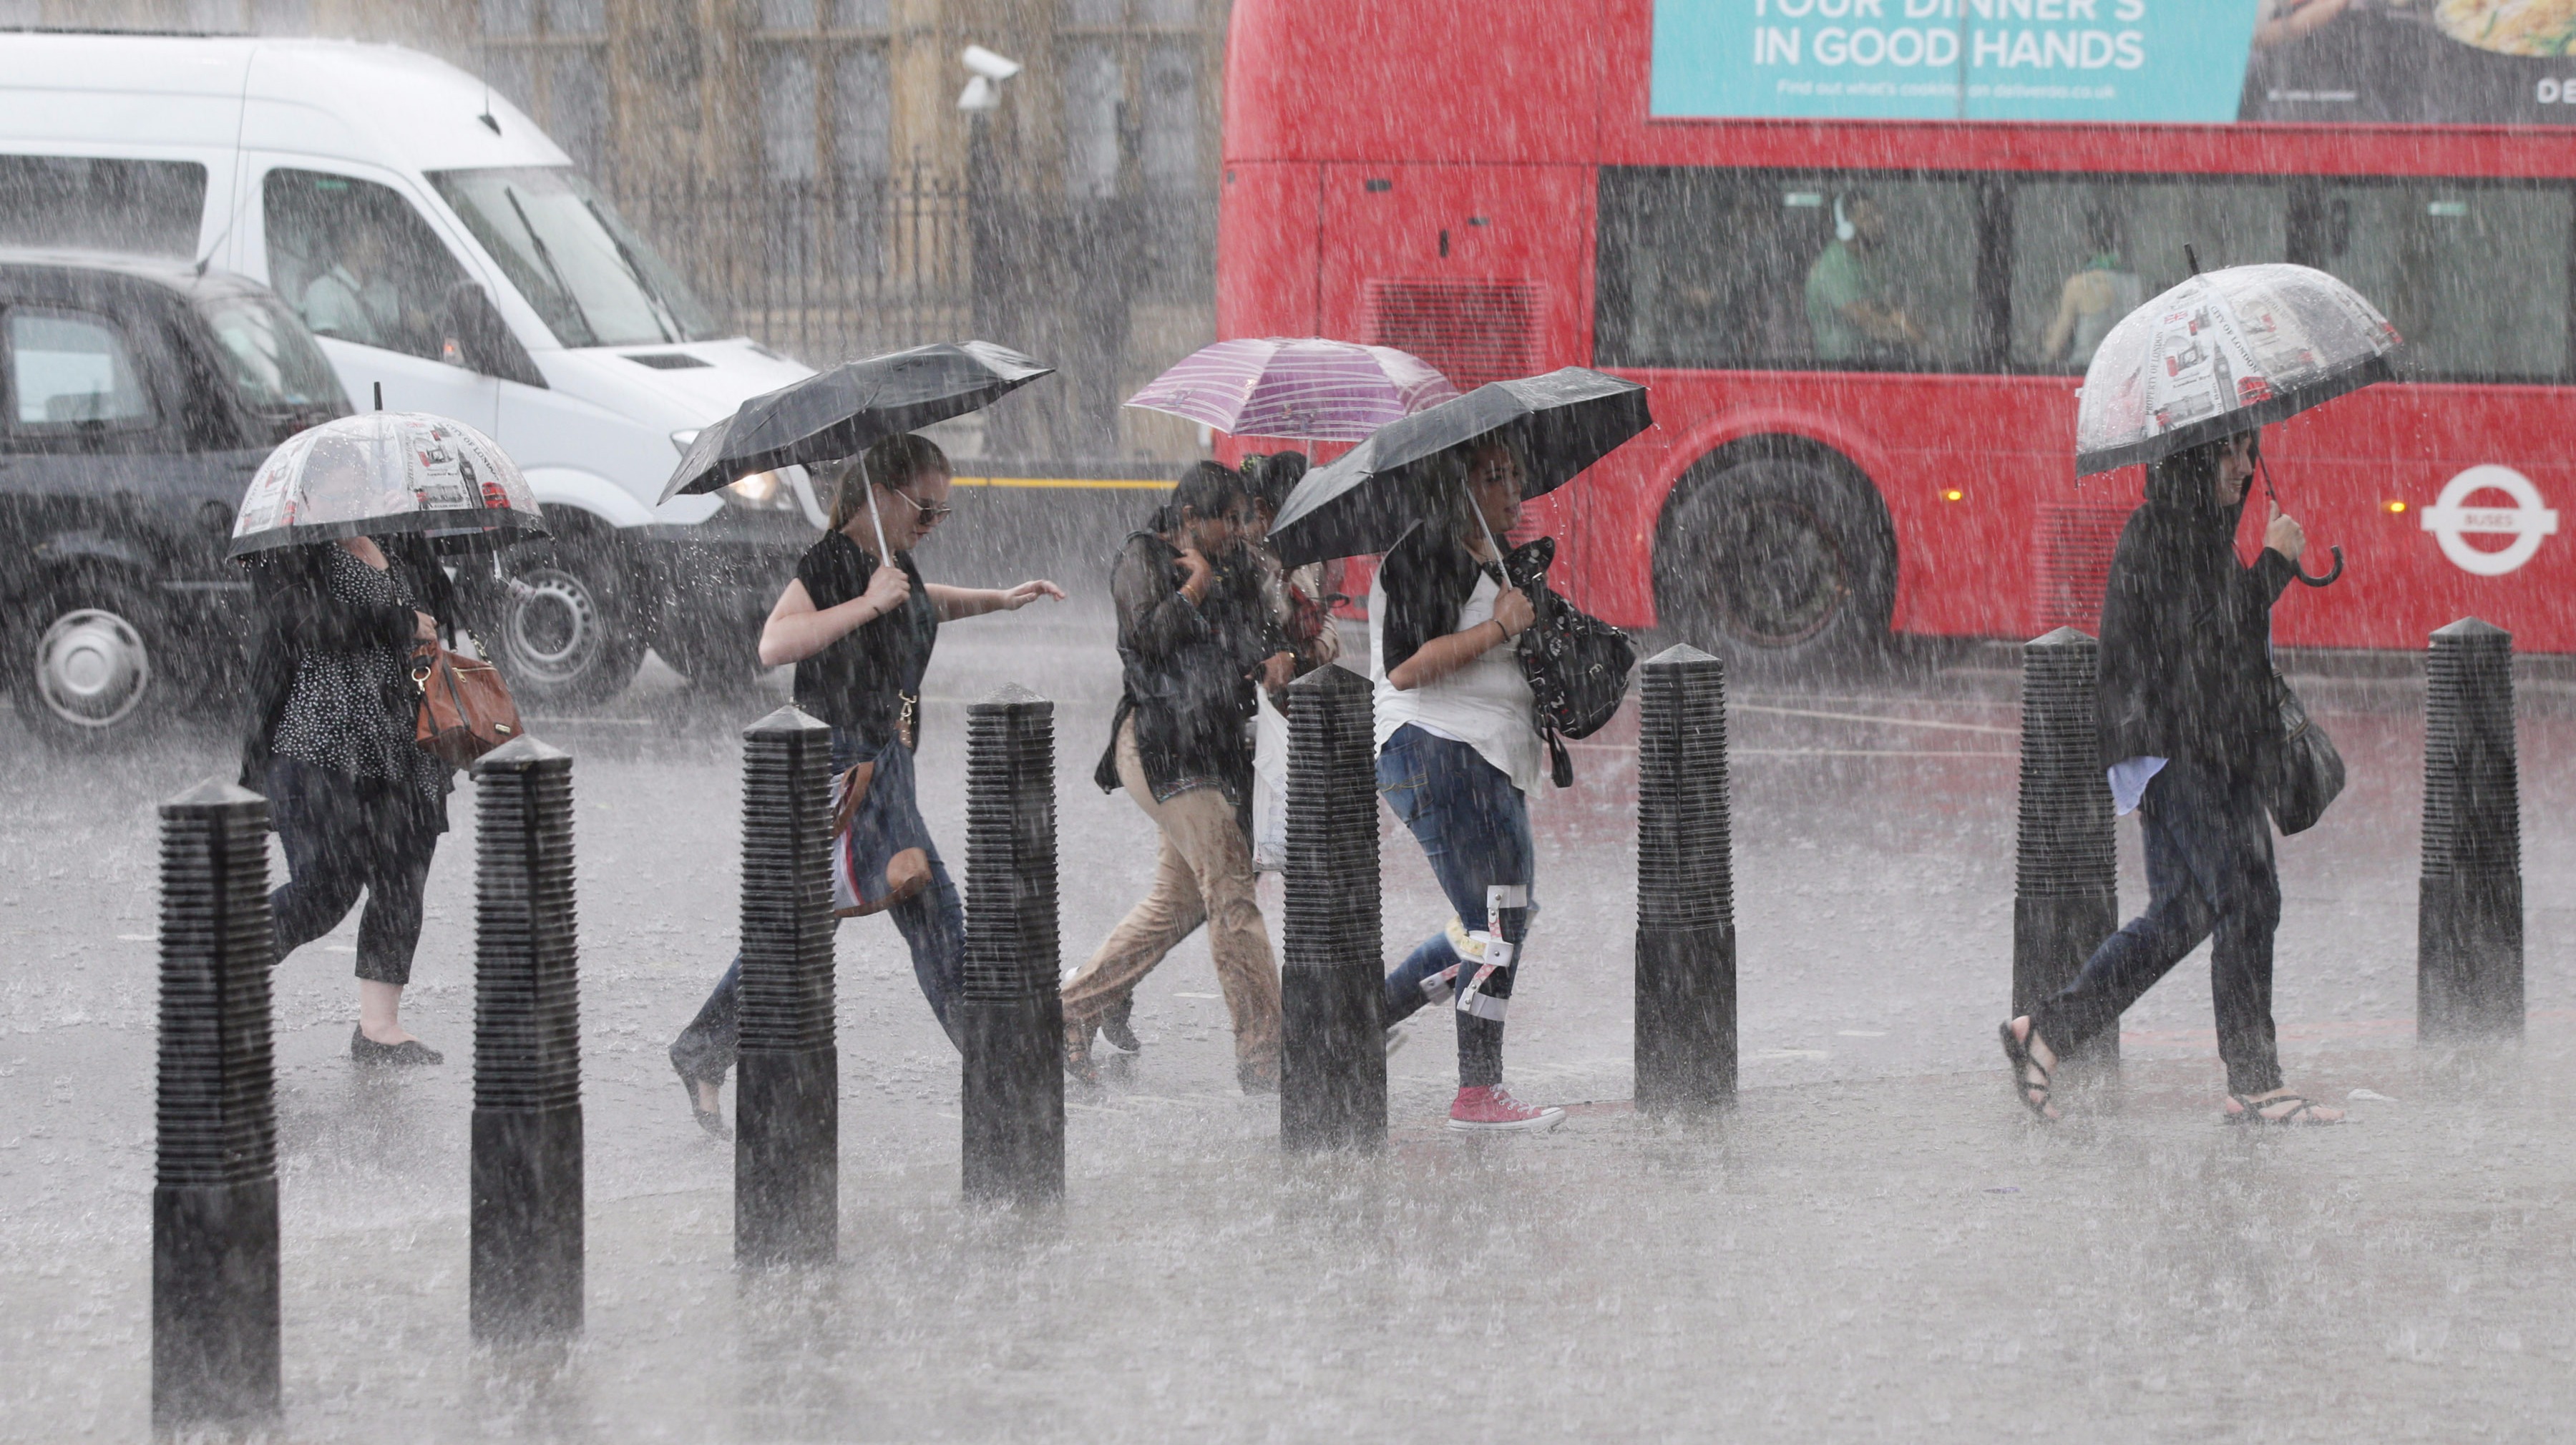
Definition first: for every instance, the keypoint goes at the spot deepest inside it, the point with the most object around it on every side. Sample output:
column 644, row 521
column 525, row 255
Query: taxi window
column 72, row 372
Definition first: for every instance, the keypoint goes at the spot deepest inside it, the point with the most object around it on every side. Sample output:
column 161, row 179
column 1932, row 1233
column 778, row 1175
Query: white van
column 444, row 250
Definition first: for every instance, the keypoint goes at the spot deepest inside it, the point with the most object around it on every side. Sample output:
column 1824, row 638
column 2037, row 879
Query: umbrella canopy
column 2222, row 353
column 841, row 412
column 1368, row 499
column 1302, row 387
column 387, row 471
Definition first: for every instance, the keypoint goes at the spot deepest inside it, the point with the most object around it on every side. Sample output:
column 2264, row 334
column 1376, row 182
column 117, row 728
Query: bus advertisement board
column 2477, row 62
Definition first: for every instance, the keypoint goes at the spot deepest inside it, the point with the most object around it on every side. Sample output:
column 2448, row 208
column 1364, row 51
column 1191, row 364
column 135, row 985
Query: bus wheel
column 1778, row 563
column 568, row 639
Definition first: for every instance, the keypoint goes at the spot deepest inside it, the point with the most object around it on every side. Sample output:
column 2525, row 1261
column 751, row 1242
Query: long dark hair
column 2186, row 478
column 1271, row 478
column 893, row 464
column 1207, row 489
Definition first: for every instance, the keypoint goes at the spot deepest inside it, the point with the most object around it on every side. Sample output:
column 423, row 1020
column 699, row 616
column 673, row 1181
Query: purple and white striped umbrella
column 1304, row 388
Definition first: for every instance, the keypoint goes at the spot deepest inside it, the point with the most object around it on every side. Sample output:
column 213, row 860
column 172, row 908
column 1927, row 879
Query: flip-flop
column 2249, row 1111
column 2018, row 1050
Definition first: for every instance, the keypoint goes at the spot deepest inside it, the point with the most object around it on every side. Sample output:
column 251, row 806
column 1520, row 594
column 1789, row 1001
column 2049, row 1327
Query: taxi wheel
column 91, row 665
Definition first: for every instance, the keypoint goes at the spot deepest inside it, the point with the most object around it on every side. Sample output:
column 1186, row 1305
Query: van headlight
column 762, row 492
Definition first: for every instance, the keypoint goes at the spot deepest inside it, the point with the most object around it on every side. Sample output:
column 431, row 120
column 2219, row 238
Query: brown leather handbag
column 465, row 708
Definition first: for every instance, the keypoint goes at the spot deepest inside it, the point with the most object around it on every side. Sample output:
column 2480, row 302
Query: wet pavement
column 1873, row 1245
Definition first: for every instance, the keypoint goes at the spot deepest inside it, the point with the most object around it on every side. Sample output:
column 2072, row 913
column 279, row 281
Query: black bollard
column 1685, row 886
column 1011, row 1024
column 2468, row 919
column 2066, row 895
column 214, row 1192
column 1332, row 1055
column 525, row 1279
column 787, row 1106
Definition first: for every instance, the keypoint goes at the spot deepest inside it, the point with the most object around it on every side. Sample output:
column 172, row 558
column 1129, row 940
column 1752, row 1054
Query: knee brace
column 1487, row 993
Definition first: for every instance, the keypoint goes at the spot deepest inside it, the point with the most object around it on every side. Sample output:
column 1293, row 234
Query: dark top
column 1428, row 577
column 327, row 626
column 337, row 714
column 2186, row 634
column 1187, row 669
column 864, row 682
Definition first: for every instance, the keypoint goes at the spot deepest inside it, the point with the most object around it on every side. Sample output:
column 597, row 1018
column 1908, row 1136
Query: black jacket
column 2186, row 633
column 297, row 614
column 1187, row 669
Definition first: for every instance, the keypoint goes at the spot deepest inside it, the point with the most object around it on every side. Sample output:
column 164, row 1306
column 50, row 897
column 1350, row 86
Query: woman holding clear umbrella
column 335, row 533
column 2188, row 710
column 357, row 804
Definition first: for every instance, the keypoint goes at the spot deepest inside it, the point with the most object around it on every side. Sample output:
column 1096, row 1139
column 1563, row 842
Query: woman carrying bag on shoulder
column 357, row 803
column 859, row 629
column 2188, row 714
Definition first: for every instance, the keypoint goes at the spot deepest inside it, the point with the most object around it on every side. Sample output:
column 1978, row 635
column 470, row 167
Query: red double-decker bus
column 1861, row 251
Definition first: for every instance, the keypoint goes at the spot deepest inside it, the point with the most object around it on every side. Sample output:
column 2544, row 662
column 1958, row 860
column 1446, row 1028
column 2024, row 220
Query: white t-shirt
column 1487, row 704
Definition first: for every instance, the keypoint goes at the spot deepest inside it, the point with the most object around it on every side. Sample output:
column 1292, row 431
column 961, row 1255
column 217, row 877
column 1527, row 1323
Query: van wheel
column 1778, row 563
column 569, row 639
column 91, row 665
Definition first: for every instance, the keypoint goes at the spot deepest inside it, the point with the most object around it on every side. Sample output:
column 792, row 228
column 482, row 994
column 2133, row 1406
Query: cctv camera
column 989, row 65
column 979, row 95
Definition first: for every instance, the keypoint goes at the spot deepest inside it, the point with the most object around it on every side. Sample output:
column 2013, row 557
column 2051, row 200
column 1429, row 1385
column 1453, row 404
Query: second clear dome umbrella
column 2225, row 352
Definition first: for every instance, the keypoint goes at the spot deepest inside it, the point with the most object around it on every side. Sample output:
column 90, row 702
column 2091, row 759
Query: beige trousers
column 1204, row 875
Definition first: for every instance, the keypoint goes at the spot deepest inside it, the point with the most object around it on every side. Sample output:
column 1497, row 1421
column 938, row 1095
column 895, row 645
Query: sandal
column 2249, row 1111
column 2017, row 1049
column 711, row 1120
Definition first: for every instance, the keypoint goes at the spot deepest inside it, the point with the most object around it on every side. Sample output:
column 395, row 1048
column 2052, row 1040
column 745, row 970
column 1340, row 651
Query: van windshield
column 593, row 280
column 276, row 369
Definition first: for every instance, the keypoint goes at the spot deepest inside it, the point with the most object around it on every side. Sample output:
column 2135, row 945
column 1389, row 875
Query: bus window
column 356, row 262
column 2473, row 276
column 2088, row 252
column 1828, row 271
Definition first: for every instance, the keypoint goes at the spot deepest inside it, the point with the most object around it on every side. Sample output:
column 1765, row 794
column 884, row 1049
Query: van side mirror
column 476, row 338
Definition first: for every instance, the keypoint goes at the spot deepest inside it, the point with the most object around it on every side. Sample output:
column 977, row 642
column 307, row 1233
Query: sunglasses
column 929, row 514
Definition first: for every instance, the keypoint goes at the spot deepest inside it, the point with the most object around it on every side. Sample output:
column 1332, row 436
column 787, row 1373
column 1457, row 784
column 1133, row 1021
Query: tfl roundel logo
column 2452, row 520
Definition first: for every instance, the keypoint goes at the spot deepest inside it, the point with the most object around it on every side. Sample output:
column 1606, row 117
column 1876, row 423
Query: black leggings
column 341, row 835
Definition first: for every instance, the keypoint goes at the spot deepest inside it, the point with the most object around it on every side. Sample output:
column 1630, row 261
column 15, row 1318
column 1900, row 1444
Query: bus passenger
column 2094, row 298
column 1850, row 307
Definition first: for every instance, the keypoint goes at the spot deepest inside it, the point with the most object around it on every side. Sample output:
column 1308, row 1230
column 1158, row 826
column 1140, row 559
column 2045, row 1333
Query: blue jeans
column 1473, row 826
column 932, row 922
column 2209, row 870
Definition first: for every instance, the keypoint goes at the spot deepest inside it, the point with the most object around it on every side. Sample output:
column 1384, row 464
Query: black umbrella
column 841, row 412
column 1372, row 495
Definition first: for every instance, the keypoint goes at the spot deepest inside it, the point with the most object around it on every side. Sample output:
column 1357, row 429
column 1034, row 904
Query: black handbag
column 2307, row 772
column 1577, row 665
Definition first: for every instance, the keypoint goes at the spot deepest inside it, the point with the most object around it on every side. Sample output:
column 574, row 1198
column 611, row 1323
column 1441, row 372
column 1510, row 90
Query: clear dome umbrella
column 383, row 472
column 2225, row 352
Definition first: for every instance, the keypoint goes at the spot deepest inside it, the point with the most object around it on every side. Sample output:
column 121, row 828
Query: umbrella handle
column 2331, row 573
column 885, row 556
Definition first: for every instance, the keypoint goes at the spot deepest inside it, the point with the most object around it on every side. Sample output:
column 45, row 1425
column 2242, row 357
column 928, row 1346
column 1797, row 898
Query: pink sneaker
column 1493, row 1109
